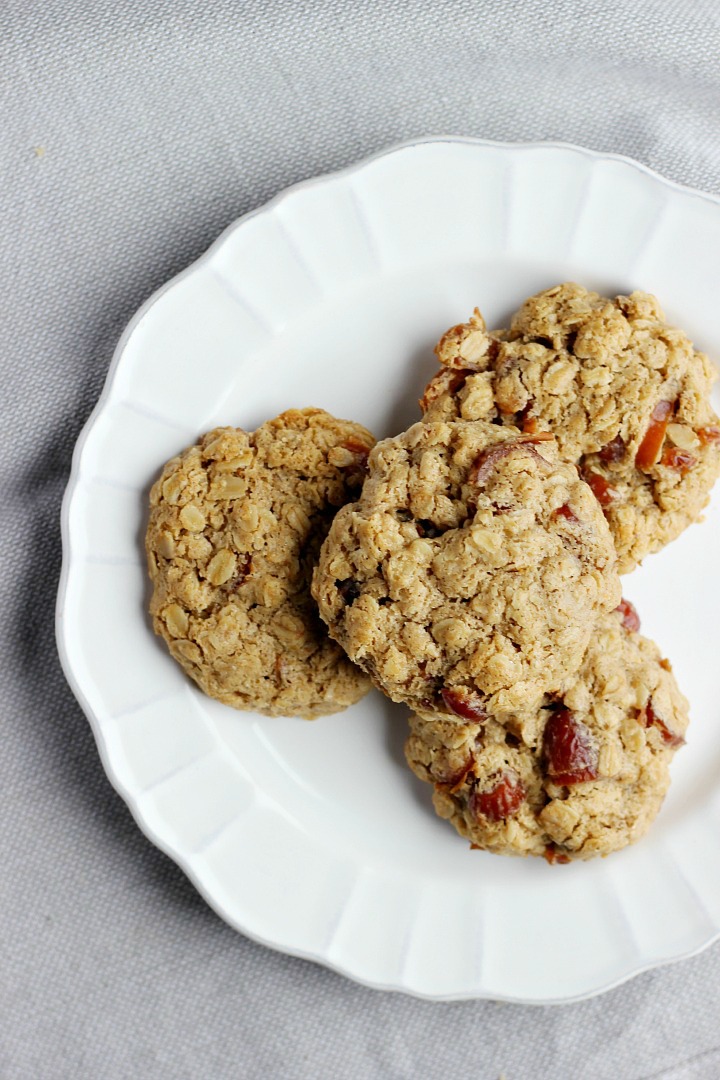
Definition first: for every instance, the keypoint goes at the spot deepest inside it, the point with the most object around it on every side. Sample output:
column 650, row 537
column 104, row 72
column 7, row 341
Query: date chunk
column 486, row 462
column 464, row 703
column 451, row 780
column 360, row 450
column 709, row 436
column 630, row 617
column 566, row 512
column 649, row 718
column 553, row 855
column 570, row 754
column 613, row 451
column 675, row 458
column 651, row 445
column 603, row 491
column 501, row 801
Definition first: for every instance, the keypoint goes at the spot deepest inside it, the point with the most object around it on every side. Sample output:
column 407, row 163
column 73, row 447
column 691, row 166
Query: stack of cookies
column 468, row 567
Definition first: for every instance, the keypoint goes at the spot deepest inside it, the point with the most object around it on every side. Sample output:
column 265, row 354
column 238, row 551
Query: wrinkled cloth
column 131, row 134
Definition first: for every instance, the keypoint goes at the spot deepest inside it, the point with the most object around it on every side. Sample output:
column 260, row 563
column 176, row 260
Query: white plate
column 313, row 837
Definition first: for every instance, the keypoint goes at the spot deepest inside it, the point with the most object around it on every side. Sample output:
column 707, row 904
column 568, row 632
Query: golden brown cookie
column 626, row 396
column 236, row 524
column 584, row 775
column 470, row 573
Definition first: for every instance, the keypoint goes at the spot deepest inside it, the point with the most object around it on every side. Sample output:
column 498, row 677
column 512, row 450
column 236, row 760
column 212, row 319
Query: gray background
column 160, row 122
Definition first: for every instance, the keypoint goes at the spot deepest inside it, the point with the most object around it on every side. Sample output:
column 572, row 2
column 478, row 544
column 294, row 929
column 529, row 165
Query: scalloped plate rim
column 68, row 561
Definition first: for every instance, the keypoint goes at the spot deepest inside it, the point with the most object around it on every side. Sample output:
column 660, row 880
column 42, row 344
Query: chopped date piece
column 570, row 754
column 709, row 436
column 651, row 445
column 614, row 450
column 630, row 617
column 447, row 381
column 649, row 718
column 451, row 781
column 493, row 349
column 359, row 449
column 458, row 378
column 501, row 801
column 603, row 491
column 566, row 512
column 675, row 458
column 465, row 703
column 552, row 855
column 526, row 421
column 349, row 590
column 485, row 463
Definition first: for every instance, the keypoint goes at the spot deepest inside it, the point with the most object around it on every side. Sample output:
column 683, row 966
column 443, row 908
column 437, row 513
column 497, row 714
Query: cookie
column 469, row 574
column 626, row 396
column 584, row 775
column 236, row 524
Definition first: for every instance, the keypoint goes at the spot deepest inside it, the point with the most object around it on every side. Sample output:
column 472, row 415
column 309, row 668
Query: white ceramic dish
column 313, row 837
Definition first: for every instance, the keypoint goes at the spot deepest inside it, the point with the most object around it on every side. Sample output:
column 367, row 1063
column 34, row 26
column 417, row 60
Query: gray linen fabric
column 131, row 134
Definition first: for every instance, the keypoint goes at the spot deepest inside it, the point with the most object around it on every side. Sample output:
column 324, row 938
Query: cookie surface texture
column 470, row 571
column 236, row 524
column 626, row 395
column 585, row 775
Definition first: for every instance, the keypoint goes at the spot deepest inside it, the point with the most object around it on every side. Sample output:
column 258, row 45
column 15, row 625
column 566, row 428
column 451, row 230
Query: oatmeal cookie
column 236, row 524
column 626, row 396
column 469, row 574
column 584, row 775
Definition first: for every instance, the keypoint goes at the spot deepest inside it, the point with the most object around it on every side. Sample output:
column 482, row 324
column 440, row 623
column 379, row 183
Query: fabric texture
column 131, row 134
